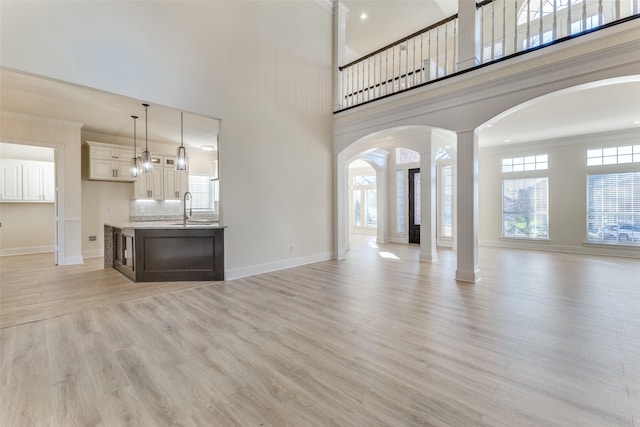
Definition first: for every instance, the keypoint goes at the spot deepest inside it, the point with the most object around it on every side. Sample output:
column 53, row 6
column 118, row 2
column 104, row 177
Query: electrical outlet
column 93, row 238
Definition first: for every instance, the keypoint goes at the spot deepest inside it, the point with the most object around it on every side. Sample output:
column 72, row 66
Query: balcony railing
column 507, row 28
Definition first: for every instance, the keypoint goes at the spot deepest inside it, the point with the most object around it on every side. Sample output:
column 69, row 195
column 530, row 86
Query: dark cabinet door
column 124, row 253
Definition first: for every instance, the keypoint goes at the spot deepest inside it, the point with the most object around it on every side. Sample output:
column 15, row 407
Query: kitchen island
column 157, row 251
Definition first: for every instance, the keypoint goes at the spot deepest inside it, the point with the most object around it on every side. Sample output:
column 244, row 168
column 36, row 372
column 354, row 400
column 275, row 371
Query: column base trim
column 428, row 257
column 468, row 276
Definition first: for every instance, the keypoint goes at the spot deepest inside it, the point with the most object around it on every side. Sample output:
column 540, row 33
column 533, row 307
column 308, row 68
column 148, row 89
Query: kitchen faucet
column 184, row 207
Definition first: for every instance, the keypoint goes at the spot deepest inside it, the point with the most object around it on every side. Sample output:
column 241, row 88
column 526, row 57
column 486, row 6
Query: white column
column 339, row 32
column 382, row 196
column 340, row 217
column 428, row 191
column 468, row 35
column 467, row 174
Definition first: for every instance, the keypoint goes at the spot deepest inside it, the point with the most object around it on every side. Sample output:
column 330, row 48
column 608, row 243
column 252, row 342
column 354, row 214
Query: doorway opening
column 363, row 198
column 28, row 193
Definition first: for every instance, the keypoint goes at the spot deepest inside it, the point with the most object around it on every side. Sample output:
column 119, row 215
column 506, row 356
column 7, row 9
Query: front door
column 414, row 205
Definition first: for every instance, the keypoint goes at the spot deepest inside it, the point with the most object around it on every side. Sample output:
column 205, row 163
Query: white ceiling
column 389, row 21
column 601, row 107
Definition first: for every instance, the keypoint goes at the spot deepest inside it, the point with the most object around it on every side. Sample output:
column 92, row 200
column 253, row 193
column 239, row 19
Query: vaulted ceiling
column 388, row 21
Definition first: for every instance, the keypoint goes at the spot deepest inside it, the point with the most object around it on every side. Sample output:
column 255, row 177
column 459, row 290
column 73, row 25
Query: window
column 533, row 41
column 400, row 194
column 204, row 192
column 525, row 164
column 493, row 51
column 591, row 22
column 532, row 10
column 613, row 208
column 442, row 154
column 525, row 208
column 447, row 200
column 404, row 156
column 613, row 155
column 364, row 200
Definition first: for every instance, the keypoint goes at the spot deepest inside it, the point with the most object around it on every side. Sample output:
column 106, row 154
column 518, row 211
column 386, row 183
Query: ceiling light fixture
column 181, row 154
column 135, row 162
column 207, row 147
column 363, row 16
column 147, row 163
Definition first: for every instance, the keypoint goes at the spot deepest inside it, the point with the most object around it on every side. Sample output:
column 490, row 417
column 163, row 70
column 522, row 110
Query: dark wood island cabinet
column 148, row 252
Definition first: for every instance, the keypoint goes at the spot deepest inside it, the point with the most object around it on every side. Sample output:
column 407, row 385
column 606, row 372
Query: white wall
column 26, row 152
column 20, row 129
column 263, row 68
column 27, row 228
column 567, row 191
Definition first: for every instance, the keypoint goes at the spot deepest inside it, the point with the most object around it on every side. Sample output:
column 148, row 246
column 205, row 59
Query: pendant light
column 135, row 162
column 147, row 163
column 181, row 154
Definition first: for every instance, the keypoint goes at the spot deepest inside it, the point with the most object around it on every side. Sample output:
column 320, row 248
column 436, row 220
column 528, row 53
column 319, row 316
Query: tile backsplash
column 166, row 210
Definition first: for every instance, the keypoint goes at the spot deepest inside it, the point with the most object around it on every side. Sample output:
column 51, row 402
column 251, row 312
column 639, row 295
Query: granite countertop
column 167, row 224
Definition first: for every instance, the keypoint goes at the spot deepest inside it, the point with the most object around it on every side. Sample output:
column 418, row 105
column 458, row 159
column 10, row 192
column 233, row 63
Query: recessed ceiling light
column 489, row 126
column 637, row 122
column 507, row 140
column 363, row 16
column 207, row 147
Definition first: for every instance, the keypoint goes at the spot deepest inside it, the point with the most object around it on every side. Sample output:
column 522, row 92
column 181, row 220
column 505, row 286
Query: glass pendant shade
column 181, row 153
column 147, row 163
column 181, row 159
column 134, row 167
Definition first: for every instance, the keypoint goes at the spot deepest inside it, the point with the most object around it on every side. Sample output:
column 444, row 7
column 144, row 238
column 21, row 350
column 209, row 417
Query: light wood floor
column 544, row 339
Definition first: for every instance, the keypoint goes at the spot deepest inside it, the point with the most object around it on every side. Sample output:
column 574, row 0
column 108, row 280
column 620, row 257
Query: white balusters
column 433, row 52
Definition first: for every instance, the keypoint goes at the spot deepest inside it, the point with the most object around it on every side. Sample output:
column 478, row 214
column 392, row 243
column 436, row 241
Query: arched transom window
column 536, row 9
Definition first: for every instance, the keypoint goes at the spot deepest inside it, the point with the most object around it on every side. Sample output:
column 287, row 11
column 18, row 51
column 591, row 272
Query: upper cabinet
column 38, row 182
column 27, row 181
column 109, row 162
column 112, row 162
column 11, row 180
column 176, row 182
column 149, row 185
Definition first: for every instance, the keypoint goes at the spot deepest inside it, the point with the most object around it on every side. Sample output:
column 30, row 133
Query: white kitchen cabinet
column 176, row 183
column 49, row 182
column 32, row 184
column 149, row 186
column 27, row 181
column 10, row 180
column 109, row 162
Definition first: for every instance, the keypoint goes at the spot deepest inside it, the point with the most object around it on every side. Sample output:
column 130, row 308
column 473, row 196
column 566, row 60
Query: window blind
column 613, row 207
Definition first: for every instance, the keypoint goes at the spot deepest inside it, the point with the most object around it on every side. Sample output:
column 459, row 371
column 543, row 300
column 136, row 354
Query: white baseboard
column 238, row 273
column 587, row 249
column 26, row 251
column 70, row 260
column 94, row 253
